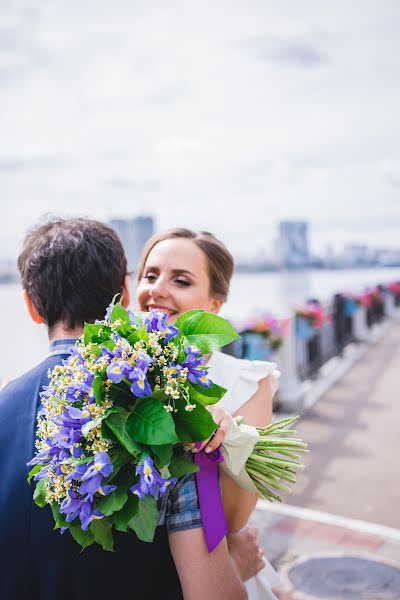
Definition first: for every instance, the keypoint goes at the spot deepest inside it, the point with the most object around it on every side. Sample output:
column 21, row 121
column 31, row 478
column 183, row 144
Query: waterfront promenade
column 346, row 503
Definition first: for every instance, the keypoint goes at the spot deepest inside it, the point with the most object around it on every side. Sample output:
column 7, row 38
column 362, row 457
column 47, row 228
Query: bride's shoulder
column 240, row 376
column 258, row 367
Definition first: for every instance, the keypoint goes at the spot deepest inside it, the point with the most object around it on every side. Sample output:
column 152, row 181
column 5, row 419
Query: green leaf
column 90, row 331
column 98, row 389
column 39, row 494
column 84, row 538
column 109, row 344
column 205, row 395
column 144, row 522
column 91, row 425
column 208, row 331
column 119, row 312
column 194, row 426
column 117, row 422
column 119, row 458
column 162, row 454
column 33, row 472
column 181, row 320
column 129, row 510
column 114, row 501
column 182, row 464
column 101, row 529
column 95, row 422
column 151, row 424
column 139, row 334
column 59, row 518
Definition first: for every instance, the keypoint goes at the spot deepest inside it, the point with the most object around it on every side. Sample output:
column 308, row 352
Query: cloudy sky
column 216, row 114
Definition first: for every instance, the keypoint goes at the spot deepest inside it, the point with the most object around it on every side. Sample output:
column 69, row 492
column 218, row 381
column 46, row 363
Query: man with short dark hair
column 70, row 270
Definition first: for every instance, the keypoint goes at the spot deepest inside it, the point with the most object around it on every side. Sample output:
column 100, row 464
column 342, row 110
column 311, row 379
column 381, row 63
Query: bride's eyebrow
column 182, row 272
column 153, row 269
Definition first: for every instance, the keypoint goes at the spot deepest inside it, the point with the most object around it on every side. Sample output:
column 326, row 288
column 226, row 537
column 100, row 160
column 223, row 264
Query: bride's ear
column 126, row 294
column 33, row 313
column 216, row 304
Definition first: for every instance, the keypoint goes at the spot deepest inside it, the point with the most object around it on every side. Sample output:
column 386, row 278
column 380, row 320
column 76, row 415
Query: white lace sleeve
column 241, row 378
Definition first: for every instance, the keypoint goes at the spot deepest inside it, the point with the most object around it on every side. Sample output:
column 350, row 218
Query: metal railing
column 306, row 349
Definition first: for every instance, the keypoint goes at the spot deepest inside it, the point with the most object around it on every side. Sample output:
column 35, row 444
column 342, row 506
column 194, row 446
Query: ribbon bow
column 212, row 512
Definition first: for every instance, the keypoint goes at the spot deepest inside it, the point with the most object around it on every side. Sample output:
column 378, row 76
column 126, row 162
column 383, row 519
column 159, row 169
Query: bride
column 182, row 270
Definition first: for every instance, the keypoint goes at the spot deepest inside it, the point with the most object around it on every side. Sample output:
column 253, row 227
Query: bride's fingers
column 223, row 420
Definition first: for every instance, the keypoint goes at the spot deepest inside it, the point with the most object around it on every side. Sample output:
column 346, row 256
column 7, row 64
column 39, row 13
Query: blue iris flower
column 150, row 480
column 68, row 437
column 117, row 370
column 95, row 484
column 72, row 417
column 143, row 362
column 101, row 464
column 140, row 386
column 93, row 474
column 51, row 452
column 74, row 507
column 77, row 472
column 87, row 515
column 191, row 363
column 156, row 320
column 71, row 506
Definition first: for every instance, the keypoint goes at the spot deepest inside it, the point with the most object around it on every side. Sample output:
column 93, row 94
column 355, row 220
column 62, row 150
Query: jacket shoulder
column 29, row 380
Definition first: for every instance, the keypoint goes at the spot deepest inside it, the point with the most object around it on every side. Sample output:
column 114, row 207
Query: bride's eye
column 182, row 282
column 150, row 277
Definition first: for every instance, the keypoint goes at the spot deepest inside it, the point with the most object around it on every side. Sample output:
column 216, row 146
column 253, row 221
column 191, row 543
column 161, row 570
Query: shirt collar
column 62, row 346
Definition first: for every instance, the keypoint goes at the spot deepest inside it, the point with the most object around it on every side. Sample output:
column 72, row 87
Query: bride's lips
column 164, row 309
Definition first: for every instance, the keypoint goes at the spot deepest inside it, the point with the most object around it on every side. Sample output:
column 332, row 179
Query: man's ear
column 126, row 294
column 33, row 313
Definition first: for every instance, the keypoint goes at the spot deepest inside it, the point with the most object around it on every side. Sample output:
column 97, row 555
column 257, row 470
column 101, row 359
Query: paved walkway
column 350, row 488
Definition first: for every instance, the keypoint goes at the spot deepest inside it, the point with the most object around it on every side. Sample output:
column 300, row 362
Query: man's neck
column 60, row 332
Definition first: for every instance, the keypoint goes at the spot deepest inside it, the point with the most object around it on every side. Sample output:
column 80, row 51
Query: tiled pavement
column 350, row 486
column 290, row 539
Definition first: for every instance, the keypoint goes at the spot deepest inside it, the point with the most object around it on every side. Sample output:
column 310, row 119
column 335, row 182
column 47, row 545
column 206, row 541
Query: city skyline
column 257, row 113
column 289, row 249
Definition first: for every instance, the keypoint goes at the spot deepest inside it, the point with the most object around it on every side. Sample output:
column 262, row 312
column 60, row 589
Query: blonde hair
column 219, row 260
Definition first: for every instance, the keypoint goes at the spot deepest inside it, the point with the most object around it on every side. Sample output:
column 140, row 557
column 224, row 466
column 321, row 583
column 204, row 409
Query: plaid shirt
column 179, row 506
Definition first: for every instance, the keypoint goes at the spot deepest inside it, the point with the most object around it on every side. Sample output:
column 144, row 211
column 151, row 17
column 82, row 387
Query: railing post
column 342, row 323
column 390, row 308
column 360, row 327
column 289, row 393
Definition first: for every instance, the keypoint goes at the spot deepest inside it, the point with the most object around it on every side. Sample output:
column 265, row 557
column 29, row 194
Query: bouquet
column 115, row 416
column 117, row 413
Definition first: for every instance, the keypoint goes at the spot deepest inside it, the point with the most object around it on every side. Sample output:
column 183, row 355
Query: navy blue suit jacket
column 36, row 561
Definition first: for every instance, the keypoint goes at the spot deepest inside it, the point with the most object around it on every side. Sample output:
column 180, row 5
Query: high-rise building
column 293, row 244
column 134, row 233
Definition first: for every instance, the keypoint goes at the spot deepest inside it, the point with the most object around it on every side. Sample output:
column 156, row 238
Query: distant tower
column 293, row 244
column 134, row 233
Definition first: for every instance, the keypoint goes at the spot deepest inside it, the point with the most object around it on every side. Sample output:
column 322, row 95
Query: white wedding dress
column 241, row 377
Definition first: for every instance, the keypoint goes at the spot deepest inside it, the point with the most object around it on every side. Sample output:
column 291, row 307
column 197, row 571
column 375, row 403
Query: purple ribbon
column 213, row 518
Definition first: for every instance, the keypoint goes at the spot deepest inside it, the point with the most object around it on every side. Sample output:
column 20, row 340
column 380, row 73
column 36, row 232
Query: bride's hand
column 246, row 552
column 223, row 419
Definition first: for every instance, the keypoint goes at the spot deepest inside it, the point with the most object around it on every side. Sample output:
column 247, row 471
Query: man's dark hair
column 71, row 269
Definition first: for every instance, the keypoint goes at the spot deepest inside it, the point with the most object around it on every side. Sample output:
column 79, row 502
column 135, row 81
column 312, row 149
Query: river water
column 24, row 343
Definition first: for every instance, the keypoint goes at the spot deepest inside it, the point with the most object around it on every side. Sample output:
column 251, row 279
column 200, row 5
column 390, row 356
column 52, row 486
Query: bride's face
column 175, row 279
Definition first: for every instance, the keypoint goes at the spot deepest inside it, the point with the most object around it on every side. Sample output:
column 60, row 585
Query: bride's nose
column 159, row 289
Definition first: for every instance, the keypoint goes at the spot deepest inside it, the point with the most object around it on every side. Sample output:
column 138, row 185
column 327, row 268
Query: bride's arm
column 204, row 575
column 239, row 503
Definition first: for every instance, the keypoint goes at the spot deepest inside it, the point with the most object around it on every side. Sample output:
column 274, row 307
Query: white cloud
column 226, row 116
